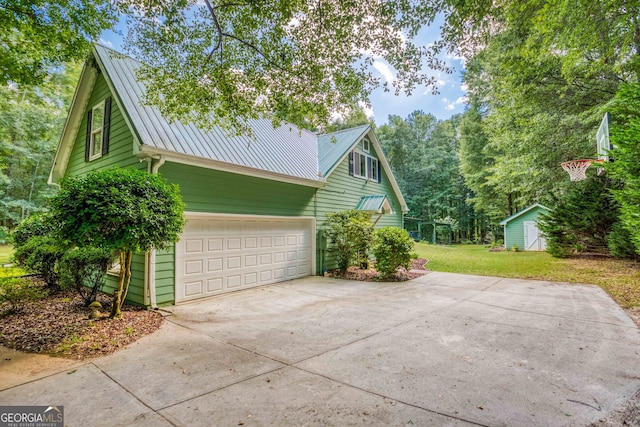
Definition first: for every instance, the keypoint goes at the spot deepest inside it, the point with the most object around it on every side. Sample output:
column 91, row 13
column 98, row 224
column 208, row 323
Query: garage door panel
column 234, row 281
column 193, row 267
column 214, row 285
column 215, row 265
column 246, row 253
column 194, row 246
column 234, row 243
column 234, row 262
column 215, row 245
column 193, row 288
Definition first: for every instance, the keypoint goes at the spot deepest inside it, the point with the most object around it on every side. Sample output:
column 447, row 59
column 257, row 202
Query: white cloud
column 464, row 87
column 385, row 70
column 460, row 100
column 105, row 43
column 368, row 110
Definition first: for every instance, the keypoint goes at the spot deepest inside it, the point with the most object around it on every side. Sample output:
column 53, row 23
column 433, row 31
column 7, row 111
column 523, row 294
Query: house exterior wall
column 206, row 190
column 120, row 154
column 514, row 229
column 344, row 192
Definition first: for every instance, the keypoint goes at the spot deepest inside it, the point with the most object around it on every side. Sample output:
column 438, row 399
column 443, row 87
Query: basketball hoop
column 578, row 168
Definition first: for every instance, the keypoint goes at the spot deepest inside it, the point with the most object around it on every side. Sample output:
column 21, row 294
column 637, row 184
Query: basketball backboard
column 602, row 139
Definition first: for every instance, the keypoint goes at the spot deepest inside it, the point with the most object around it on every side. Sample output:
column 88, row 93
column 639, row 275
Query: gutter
column 150, row 256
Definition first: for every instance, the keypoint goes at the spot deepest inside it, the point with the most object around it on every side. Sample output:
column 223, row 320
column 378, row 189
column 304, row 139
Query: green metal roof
column 332, row 147
column 374, row 203
column 522, row 212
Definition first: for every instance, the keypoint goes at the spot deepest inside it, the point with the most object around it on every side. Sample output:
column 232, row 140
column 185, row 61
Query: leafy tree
column 31, row 120
column 297, row 61
column 392, row 250
column 36, row 37
column 625, row 135
column 122, row 210
column 351, row 232
column 422, row 152
column 582, row 218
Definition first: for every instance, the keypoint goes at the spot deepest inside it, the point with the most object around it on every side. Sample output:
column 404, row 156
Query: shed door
column 220, row 255
column 533, row 239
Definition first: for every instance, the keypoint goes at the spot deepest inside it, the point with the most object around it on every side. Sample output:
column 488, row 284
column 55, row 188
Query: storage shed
column 521, row 229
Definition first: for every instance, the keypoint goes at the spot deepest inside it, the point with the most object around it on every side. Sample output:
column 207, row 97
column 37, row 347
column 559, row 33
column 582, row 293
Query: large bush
column 620, row 243
column 120, row 210
column 625, row 136
column 16, row 293
column 38, row 249
column 84, row 269
column 392, row 248
column 351, row 233
column 581, row 218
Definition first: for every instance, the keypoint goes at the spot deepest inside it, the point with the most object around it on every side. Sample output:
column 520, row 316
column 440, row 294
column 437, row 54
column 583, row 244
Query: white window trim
column 95, row 131
column 356, row 166
column 366, row 145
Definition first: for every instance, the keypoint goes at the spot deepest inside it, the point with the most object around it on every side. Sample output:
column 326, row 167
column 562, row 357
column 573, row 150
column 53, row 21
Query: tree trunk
column 124, row 278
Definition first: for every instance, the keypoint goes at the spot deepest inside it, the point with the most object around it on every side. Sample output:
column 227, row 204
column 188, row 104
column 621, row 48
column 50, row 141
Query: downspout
column 151, row 254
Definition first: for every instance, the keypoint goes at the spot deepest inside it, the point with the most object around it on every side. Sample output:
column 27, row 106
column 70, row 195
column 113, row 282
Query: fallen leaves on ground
column 60, row 325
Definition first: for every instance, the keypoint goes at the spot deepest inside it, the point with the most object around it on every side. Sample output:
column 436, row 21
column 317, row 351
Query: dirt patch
column 627, row 414
column 371, row 275
column 59, row 325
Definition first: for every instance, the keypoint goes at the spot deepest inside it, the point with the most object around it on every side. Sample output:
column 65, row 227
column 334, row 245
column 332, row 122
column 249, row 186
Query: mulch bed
column 59, row 325
column 371, row 275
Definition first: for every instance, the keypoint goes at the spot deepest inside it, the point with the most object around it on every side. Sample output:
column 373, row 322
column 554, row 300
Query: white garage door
column 218, row 255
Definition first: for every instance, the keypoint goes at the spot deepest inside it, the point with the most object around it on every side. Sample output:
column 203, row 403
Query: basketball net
column 577, row 169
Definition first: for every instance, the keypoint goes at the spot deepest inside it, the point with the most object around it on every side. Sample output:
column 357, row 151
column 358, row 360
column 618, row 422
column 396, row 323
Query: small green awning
column 375, row 204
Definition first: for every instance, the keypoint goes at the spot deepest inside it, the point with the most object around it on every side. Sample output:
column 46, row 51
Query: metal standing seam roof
column 522, row 212
column 285, row 150
column 332, row 146
column 371, row 203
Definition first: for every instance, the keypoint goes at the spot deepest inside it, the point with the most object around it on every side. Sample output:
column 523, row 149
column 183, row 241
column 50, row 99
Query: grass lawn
column 5, row 253
column 620, row 279
column 5, row 258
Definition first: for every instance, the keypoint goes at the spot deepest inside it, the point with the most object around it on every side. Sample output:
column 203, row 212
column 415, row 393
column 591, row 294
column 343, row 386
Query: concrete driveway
column 443, row 349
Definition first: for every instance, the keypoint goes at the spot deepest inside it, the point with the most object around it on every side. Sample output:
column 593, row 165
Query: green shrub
column 392, row 249
column 124, row 210
column 559, row 249
column 84, row 269
column 352, row 234
column 16, row 293
column 34, row 226
column 41, row 255
column 620, row 243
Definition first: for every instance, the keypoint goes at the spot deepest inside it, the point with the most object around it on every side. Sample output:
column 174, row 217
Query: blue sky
column 450, row 101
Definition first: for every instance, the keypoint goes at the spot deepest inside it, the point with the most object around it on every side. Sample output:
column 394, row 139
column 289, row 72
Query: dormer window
column 97, row 126
column 366, row 145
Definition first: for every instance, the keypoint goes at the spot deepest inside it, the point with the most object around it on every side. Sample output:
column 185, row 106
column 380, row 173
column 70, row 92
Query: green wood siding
column 120, row 154
column 514, row 229
column 344, row 192
column 206, row 190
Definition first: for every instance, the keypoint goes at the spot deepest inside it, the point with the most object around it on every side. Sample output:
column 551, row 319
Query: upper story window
column 97, row 128
column 98, row 124
column 366, row 145
column 365, row 166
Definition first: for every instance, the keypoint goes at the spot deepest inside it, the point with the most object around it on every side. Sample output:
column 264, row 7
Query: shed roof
column 522, row 212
